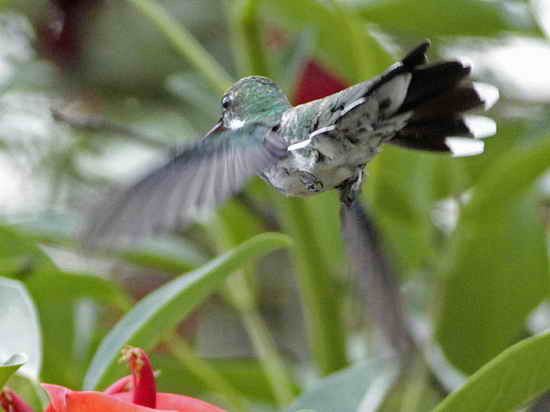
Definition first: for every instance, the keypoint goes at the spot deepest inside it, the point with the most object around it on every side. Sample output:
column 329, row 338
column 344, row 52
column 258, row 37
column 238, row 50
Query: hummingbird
column 307, row 149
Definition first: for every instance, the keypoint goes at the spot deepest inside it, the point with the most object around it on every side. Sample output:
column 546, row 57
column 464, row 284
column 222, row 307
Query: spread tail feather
column 438, row 96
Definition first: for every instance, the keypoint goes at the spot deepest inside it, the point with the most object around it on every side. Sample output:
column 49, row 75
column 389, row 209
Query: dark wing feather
column 377, row 278
column 189, row 186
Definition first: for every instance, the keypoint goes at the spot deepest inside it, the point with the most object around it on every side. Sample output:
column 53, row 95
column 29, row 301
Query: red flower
column 316, row 82
column 134, row 393
column 61, row 29
column 65, row 400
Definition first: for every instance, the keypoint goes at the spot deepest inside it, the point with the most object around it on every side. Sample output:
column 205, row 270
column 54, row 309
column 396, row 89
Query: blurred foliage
column 93, row 92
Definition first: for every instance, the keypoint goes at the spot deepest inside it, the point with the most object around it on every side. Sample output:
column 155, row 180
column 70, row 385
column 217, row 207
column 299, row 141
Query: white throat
column 236, row 123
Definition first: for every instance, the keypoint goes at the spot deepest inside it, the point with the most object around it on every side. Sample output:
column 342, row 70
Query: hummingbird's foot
column 351, row 188
column 311, row 182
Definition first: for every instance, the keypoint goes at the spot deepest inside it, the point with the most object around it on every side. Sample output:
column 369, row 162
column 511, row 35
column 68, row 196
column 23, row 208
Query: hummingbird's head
column 252, row 98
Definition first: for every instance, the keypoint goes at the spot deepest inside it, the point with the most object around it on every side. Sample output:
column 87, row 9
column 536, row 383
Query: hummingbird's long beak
column 218, row 127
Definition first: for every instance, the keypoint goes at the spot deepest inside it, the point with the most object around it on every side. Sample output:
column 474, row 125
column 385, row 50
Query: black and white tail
column 438, row 97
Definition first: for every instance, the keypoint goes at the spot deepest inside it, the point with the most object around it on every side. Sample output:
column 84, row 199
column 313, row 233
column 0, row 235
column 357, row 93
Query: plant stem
column 186, row 44
column 356, row 36
column 321, row 308
column 241, row 295
column 248, row 47
column 240, row 292
column 414, row 386
column 202, row 369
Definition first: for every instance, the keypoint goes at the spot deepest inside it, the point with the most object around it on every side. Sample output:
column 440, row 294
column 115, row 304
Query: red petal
column 58, row 397
column 145, row 387
column 11, row 402
column 120, row 386
column 65, row 400
column 316, row 82
column 100, row 402
column 175, row 402
column 184, row 403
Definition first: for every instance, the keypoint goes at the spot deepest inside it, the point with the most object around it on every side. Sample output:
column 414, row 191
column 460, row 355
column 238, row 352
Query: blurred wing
column 377, row 280
column 189, row 186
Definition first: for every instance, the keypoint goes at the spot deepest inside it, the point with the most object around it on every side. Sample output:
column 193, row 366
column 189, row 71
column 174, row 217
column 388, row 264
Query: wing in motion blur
column 190, row 185
column 376, row 277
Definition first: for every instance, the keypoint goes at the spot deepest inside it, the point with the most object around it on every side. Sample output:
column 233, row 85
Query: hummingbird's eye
column 226, row 101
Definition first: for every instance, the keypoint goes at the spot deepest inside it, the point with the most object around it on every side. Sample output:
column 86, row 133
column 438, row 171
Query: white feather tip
column 480, row 126
column 488, row 94
column 462, row 147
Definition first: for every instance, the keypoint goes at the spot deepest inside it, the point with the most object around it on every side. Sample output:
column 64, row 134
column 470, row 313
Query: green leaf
column 510, row 380
column 345, row 391
column 17, row 248
column 10, row 366
column 449, row 18
column 149, row 259
column 75, row 286
column 325, row 207
column 30, row 390
column 248, row 47
column 497, row 268
column 341, row 56
column 19, row 330
column 45, row 282
column 161, row 310
column 237, row 224
column 510, row 176
column 289, row 63
column 400, row 193
column 246, row 374
column 56, row 317
column 62, row 363
column 322, row 306
column 512, row 133
column 185, row 43
column 497, row 272
column 170, row 254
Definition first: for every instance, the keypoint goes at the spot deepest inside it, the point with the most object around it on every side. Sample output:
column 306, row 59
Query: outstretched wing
column 189, row 186
column 376, row 277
